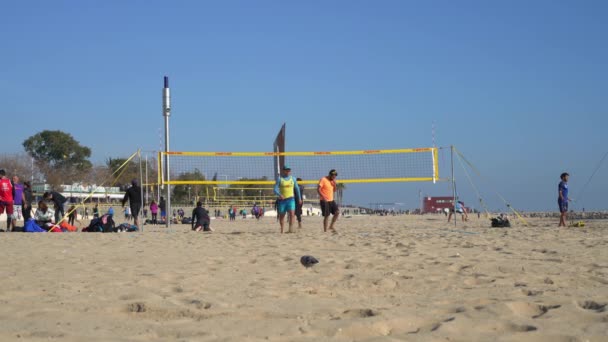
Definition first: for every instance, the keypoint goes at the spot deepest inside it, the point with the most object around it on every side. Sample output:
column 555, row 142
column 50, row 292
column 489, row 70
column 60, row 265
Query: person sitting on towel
column 44, row 216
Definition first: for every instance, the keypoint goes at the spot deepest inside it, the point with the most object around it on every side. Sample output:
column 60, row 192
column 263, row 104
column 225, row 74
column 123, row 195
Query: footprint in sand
column 478, row 280
column 359, row 313
column 130, row 296
column 531, row 293
column 137, row 307
column 199, row 304
column 505, row 327
column 531, row 310
column 386, row 283
column 458, row 309
column 592, row 306
column 430, row 327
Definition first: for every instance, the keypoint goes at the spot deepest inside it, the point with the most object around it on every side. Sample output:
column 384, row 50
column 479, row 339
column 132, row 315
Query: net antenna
column 278, row 148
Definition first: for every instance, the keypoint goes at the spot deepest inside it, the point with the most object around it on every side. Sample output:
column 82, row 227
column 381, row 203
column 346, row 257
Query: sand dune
column 379, row 279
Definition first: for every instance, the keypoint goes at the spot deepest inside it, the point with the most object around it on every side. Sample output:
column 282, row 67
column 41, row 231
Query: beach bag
column 498, row 222
column 126, row 227
column 55, row 229
column 30, row 226
column 94, row 226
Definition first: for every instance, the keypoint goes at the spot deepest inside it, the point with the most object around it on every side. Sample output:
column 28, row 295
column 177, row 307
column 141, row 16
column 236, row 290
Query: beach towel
column 68, row 227
column 55, row 229
column 30, row 226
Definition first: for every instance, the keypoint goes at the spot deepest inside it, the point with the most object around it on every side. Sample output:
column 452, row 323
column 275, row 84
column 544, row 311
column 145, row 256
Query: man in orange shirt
column 326, row 189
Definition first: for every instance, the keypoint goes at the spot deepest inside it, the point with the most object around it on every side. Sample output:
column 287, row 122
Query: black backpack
column 499, row 222
column 97, row 225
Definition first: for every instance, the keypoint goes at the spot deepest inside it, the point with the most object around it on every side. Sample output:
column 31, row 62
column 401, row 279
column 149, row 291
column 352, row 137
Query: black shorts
column 135, row 208
column 329, row 208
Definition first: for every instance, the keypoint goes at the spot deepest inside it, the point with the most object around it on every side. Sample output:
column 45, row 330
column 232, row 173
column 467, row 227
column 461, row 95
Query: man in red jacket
column 6, row 199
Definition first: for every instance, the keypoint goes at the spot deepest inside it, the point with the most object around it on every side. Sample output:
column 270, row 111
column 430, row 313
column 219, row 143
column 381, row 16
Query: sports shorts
column 17, row 210
column 135, row 208
column 328, row 208
column 285, row 205
column 8, row 206
column 563, row 206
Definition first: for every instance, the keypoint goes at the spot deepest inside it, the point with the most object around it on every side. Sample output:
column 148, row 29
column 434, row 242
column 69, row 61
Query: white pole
column 147, row 180
column 141, row 190
column 167, row 114
column 453, row 185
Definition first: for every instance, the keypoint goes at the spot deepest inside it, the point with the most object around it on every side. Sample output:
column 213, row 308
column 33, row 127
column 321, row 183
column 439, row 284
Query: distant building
column 77, row 192
column 438, row 204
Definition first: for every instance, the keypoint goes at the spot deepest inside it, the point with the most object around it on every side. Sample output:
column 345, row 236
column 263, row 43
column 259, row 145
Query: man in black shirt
column 58, row 200
column 162, row 205
column 299, row 203
column 133, row 195
column 28, row 198
column 200, row 218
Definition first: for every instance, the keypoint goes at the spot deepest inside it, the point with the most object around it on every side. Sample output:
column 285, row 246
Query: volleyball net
column 261, row 168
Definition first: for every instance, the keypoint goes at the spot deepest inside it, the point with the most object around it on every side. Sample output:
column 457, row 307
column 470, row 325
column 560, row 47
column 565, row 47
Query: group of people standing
column 290, row 199
column 16, row 199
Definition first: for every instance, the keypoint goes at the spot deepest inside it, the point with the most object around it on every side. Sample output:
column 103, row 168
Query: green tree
column 17, row 165
column 189, row 192
column 123, row 176
column 58, row 156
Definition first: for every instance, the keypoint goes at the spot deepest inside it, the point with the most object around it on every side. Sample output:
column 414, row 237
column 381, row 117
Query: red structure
column 435, row 204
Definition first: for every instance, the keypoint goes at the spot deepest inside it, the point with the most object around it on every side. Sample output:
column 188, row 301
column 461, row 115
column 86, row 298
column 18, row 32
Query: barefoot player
column 287, row 190
column 326, row 188
column 562, row 199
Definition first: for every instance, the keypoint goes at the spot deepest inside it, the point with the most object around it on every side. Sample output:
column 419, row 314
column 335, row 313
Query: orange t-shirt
column 327, row 188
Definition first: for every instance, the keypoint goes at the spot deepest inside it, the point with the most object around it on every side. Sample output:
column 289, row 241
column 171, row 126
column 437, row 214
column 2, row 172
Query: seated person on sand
column 44, row 216
column 200, row 218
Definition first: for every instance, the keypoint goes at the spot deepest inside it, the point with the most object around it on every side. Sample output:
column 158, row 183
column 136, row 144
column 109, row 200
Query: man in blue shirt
column 562, row 199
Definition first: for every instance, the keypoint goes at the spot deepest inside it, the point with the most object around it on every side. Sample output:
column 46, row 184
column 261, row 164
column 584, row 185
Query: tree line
column 56, row 158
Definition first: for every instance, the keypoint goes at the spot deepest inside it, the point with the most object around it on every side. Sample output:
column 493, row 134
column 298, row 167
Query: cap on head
column 333, row 172
column 286, row 168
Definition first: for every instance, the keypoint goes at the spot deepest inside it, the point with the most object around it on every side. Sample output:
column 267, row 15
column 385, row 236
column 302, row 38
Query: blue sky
column 518, row 86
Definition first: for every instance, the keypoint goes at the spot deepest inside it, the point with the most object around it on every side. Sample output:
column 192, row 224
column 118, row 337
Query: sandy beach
column 389, row 278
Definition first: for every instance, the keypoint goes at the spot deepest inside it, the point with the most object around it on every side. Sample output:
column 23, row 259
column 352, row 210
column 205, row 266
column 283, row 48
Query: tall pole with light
column 167, row 114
